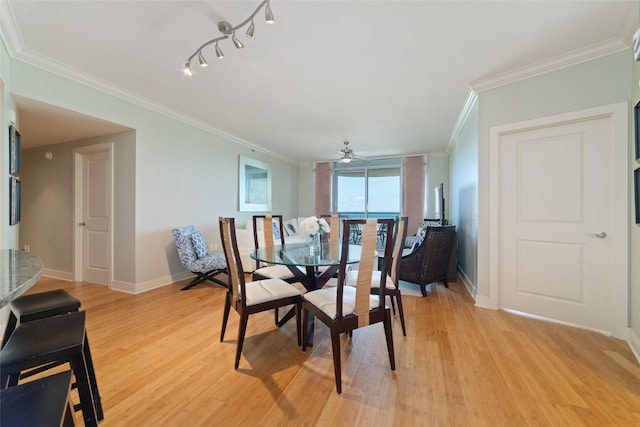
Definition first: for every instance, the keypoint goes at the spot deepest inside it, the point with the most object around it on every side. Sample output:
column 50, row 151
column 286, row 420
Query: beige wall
column 48, row 205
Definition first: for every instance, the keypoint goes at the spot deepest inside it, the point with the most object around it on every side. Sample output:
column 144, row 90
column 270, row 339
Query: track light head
column 201, row 60
column 250, row 30
column 268, row 15
column 237, row 43
column 219, row 53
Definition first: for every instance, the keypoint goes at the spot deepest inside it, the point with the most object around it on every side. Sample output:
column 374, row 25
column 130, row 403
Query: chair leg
column 388, row 333
column 225, row 316
column 84, row 390
column 298, row 328
column 337, row 371
column 393, row 306
column 401, row 313
column 276, row 313
column 242, row 328
column 305, row 321
column 11, row 325
column 92, row 379
column 423, row 290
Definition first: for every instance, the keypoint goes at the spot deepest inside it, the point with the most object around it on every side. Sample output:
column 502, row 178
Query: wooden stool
column 38, row 306
column 54, row 339
column 43, row 403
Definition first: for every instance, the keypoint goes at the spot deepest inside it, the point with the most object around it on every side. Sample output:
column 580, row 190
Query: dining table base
column 312, row 280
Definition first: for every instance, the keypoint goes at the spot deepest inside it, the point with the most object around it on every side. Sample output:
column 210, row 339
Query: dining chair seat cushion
column 268, row 290
column 275, row 272
column 325, row 299
column 214, row 261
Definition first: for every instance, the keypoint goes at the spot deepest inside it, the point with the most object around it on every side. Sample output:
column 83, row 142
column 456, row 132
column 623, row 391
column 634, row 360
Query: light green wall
column 48, row 204
column 437, row 172
column 595, row 83
column 463, row 195
column 306, row 190
column 182, row 174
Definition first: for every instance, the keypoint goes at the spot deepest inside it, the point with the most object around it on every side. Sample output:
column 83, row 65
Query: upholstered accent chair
column 195, row 257
column 430, row 261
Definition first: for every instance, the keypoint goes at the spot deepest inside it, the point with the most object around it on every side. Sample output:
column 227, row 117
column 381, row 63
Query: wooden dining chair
column 334, row 227
column 248, row 298
column 346, row 308
column 269, row 239
column 393, row 281
column 272, row 234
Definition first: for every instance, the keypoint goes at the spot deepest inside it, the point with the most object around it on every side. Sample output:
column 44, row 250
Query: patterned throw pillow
column 276, row 230
column 199, row 244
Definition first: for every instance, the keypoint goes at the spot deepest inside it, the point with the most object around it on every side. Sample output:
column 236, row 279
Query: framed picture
column 14, row 151
column 636, row 123
column 254, row 185
column 636, row 190
column 15, row 192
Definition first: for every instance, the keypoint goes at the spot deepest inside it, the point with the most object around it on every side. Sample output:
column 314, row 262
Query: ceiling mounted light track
column 229, row 31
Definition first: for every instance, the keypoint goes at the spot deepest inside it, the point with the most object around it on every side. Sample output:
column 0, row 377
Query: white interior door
column 93, row 212
column 555, row 222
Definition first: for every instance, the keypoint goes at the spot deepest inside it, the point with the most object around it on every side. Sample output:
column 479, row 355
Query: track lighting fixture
column 229, row 31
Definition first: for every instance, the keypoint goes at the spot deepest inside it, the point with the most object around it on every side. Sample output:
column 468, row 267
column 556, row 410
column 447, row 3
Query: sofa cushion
column 199, row 244
column 291, row 227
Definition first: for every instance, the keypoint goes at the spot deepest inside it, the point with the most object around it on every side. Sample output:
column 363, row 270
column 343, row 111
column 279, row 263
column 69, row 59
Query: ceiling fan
column 347, row 153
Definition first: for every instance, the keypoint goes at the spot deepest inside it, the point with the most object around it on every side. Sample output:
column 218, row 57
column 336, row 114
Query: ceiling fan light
column 203, row 62
column 250, row 30
column 219, row 53
column 187, row 69
column 237, row 43
column 268, row 15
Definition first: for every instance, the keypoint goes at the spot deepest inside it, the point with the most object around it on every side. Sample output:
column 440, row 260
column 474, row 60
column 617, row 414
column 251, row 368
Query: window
column 368, row 189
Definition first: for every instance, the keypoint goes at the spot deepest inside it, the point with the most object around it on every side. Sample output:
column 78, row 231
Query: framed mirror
column 254, row 190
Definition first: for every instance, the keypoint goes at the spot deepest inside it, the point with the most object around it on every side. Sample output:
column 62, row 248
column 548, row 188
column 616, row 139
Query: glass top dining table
column 312, row 268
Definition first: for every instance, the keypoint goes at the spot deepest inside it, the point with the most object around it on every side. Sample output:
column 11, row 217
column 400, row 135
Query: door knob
column 82, row 223
column 600, row 235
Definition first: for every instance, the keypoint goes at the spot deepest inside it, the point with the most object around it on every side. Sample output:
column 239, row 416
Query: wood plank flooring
column 159, row 362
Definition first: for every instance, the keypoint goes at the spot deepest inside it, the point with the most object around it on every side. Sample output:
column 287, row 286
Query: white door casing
column 556, row 184
column 93, row 220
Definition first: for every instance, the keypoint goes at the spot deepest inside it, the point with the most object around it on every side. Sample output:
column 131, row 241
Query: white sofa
column 244, row 236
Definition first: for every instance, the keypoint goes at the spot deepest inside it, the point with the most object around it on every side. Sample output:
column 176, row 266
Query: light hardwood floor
column 159, row 362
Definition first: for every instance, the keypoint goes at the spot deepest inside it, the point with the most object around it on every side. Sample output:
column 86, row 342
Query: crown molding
column 575, row 57
column 9, row 29
column 469, row 103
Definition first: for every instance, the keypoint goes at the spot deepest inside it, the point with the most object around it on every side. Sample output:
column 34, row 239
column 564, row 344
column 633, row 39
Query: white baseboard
column 127, row 287
column 471, row 288
column 634, row 344
column 56, row 274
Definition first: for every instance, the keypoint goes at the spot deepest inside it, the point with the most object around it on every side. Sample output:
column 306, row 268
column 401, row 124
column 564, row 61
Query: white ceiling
column 390, row 76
